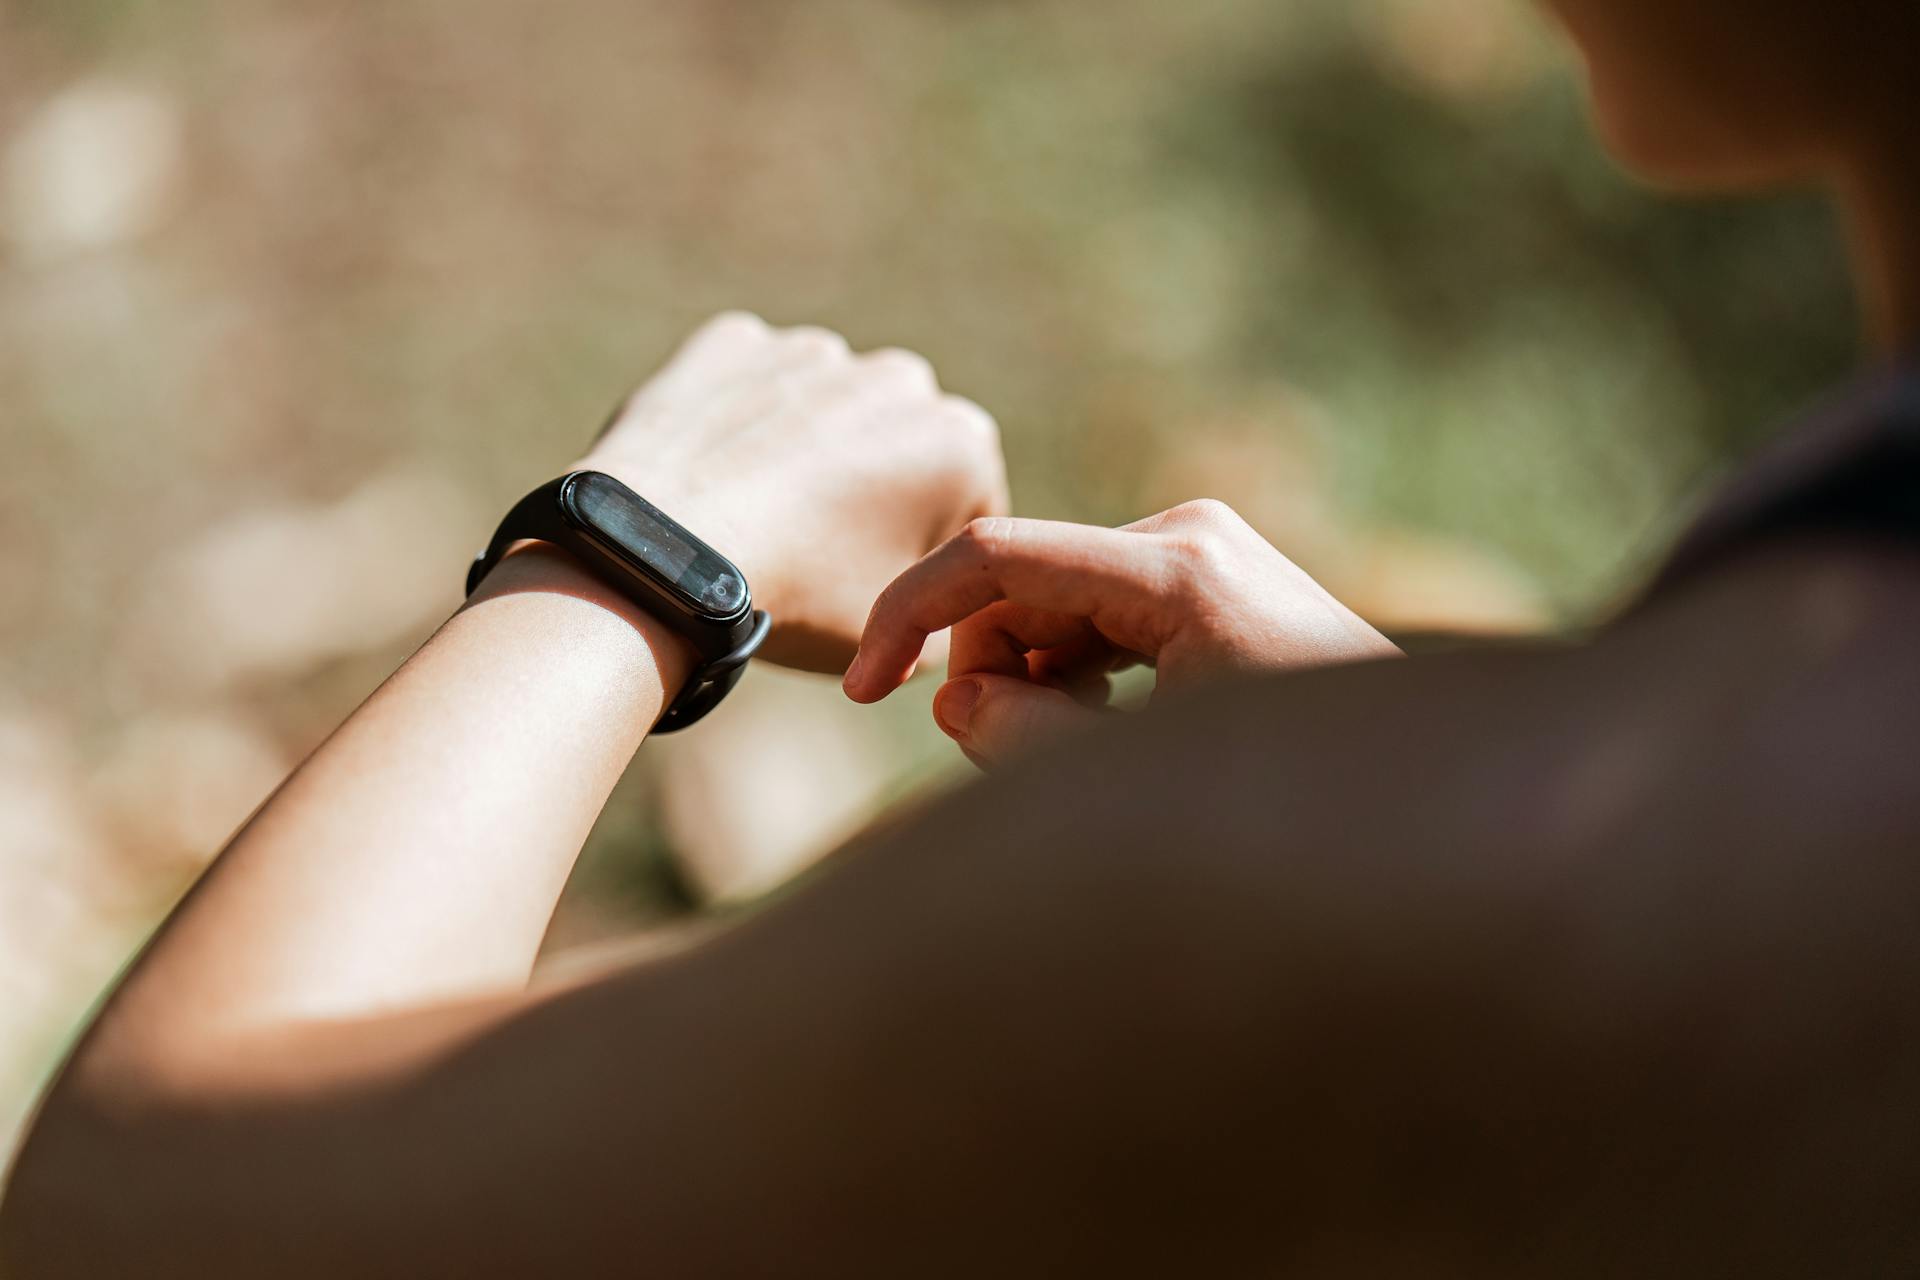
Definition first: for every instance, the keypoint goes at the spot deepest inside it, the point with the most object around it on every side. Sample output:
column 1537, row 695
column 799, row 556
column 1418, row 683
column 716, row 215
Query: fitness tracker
column 652, row 560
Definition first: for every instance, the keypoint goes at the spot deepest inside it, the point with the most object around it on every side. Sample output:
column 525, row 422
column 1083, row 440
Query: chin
column 1695, row 156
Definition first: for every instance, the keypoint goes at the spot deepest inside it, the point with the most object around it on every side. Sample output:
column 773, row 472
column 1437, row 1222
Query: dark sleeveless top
column 1853, row 467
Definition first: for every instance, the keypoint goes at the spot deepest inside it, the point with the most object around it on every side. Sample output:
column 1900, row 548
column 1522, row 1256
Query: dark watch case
column 654, row 561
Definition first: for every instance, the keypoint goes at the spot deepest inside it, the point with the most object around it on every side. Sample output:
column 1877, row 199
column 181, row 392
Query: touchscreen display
column 640, row 533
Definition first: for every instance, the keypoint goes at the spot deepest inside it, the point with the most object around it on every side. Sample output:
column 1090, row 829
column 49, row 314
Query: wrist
column 536, row 568
column 716, row 518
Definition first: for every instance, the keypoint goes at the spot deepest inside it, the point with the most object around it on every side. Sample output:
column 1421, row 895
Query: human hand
column 1042, row 613
column 819, row 472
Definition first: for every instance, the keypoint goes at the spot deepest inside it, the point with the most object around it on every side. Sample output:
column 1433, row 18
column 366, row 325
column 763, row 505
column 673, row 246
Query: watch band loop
column 538, row 517
column 707, row 686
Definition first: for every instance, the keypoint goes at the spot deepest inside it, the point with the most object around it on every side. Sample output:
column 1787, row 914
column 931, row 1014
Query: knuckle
column 973, row 421
column 811, row 342
column 966, row 439
column 1208, row 513
column 885, row 605
column 986, row 535
column 1207, row 554
column 909, row 368
column 735, row 325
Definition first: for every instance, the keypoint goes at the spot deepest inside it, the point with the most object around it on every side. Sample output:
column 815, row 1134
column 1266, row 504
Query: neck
column 1880, row 194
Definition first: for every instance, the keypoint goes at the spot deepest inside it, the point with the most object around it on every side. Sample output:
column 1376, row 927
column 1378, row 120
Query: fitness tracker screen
column 704, row 581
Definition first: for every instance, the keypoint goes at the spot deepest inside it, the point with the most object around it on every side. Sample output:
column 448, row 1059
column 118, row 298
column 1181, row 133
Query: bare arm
column 392, row 894
column 417, row 855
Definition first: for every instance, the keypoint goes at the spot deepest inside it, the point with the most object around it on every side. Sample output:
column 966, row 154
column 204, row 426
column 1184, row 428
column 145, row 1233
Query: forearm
column 277, row 1062
column 417, row 855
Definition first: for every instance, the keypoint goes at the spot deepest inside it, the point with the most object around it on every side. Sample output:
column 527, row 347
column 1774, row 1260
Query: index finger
column 1074, row 569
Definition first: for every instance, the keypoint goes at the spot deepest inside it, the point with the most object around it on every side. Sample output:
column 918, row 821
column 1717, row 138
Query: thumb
column 994, row 717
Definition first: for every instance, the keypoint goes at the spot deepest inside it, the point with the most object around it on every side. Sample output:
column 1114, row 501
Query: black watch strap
column 535, row 518
column 724, row 652
column 714, row 681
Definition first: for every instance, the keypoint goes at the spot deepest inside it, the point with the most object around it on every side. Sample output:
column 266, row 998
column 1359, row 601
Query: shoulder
column 1792, row 674
column 1531, row 917
column 1803, row 648
column 1796, row 593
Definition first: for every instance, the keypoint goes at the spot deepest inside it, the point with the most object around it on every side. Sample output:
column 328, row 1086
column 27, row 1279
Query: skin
column 1716, row 95
column 1598, row 959
column 1043, row 612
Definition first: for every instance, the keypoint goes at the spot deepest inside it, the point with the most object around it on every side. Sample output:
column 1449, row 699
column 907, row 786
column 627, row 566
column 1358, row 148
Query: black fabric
column 1852, row 468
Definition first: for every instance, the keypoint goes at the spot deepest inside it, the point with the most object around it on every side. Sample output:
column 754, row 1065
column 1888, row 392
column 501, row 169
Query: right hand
column 1042, row 613
column 819, row 472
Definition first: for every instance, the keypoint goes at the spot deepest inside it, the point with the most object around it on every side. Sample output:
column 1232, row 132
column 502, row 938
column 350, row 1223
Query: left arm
column 416, row 856
column 389, row 899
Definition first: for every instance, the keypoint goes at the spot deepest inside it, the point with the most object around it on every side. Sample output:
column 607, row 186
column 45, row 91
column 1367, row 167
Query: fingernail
column 954, row 707
column 852, row 678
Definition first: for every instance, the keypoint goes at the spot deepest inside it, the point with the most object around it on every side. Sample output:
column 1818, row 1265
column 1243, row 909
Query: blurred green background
column 297, row 295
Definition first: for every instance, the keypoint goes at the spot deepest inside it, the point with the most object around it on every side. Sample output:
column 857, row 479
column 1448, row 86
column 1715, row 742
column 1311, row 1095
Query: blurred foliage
column 1353, row 265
